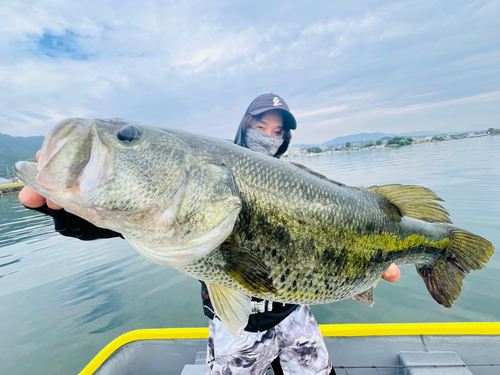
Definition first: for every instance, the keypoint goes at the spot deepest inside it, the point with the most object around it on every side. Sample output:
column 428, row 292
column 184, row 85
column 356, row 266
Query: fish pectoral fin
column 231, row 307
column 412, row 201
column 248, row 270
column 366, row 296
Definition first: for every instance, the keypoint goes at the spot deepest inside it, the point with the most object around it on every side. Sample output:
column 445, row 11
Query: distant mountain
column 14, row 149
column 375, row 136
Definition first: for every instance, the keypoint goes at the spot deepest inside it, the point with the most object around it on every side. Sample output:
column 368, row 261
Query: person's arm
column 73, row 226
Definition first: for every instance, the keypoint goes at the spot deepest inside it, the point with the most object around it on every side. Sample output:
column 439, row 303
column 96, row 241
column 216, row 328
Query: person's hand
column 392, row 274
column 32, row 199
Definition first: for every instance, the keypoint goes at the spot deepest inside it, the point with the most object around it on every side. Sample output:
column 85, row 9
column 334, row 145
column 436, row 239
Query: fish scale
column 245, row 223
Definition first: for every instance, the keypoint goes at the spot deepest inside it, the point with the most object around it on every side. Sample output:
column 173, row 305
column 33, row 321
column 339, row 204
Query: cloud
column 490, row 97
column 471, row 113
column 198, row 65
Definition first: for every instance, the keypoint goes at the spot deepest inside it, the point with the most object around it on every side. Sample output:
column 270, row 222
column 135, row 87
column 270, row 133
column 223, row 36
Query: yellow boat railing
column 328, row 330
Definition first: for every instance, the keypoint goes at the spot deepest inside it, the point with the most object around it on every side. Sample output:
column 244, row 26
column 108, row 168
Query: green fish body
column 247, row 224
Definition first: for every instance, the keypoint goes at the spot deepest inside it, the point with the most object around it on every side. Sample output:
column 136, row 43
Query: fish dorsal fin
column 247, row 269
column 233, row 308
column 414, row 201
column 314, row 173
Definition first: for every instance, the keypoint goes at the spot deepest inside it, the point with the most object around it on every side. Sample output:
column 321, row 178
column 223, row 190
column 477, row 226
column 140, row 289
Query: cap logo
column 276, row 101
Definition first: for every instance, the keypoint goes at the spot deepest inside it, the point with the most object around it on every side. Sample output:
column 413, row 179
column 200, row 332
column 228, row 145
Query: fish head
column 170, row 199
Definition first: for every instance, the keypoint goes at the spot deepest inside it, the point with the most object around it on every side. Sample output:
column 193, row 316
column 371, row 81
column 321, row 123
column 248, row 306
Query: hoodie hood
column 261, row 104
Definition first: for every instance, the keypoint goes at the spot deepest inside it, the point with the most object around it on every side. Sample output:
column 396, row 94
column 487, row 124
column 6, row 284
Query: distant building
column 295, row 151
column 4, row 181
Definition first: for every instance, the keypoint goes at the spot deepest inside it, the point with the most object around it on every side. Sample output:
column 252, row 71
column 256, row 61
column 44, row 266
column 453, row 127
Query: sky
column 343, row 67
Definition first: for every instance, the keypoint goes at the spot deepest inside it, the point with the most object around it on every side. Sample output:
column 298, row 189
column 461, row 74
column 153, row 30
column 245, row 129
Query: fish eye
column 129, row 133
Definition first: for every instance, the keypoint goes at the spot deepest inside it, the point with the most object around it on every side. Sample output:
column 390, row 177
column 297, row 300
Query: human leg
column 302, row 347
column 249, row 353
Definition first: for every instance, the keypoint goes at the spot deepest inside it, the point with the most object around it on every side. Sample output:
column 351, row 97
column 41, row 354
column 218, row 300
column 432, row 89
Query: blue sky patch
column 62, row 46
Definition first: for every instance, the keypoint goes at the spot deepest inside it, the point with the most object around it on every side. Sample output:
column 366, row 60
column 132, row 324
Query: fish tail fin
column 466, row 252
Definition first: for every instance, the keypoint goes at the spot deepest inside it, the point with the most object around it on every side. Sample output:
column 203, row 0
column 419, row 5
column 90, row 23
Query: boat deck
column 352, row 354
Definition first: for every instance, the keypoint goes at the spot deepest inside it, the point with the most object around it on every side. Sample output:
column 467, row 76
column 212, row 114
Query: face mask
column 261, row 142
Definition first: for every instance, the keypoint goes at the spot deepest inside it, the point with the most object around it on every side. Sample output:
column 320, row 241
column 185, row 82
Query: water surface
column 62, row 299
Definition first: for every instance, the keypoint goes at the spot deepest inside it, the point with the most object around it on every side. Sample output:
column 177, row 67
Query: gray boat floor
column 388, row 355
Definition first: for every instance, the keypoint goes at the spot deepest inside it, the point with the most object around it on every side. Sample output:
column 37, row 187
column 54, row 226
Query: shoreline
column 10, row 189
column 304, row 153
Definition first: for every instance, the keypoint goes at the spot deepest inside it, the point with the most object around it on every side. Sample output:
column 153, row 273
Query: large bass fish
column 248, row 224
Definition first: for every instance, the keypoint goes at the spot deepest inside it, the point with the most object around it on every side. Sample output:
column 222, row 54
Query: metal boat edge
column 328, row 330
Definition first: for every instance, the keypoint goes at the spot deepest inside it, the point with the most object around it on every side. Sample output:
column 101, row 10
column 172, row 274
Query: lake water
column 62, row 300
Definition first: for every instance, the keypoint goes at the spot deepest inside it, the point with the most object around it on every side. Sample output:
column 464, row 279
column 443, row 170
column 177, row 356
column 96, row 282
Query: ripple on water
column 62, row 300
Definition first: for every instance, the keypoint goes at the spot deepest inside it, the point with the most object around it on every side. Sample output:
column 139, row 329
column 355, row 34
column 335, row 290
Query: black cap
column 266, row 102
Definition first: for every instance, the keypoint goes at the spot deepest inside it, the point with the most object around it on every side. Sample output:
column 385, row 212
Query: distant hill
column 14, row 149
column 375, row 136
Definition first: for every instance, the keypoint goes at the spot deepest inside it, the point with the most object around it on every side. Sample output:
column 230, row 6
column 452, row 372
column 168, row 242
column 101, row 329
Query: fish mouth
column 71, row 160
column 64, row 154
column 26, row 172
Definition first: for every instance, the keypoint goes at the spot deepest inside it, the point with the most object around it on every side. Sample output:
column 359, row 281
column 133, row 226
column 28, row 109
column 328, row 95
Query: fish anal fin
column 413, row 201
column 248, row 270
column 366, row 296
column 441, row 282
column 231, row 307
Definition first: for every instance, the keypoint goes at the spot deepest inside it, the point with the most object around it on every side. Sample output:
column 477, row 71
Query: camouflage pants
column 297, row 340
